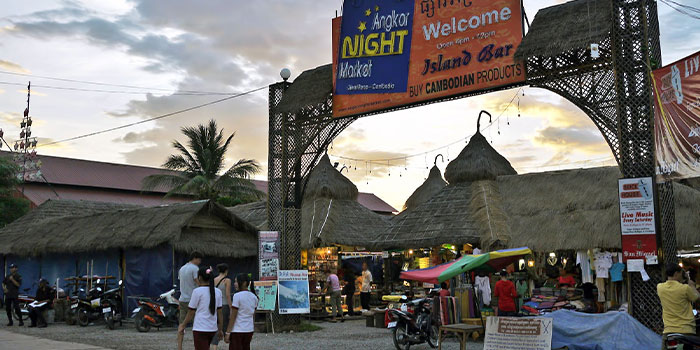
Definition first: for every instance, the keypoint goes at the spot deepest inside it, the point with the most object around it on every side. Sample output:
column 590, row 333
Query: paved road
column 347, row 335
column 13, row 341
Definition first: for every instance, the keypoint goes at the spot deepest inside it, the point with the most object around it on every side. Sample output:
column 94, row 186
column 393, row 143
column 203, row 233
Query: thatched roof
column 254, row 213
column 311, row 89
column 432, row 185
column 330, row 212
column 445, row 218
column 325, row 181
column 579, row 209
column 203, row 226
column 571, row 25
column 477, row 161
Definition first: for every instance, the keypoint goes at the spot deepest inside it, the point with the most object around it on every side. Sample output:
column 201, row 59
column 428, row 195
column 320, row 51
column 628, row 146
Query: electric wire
column 682, row 10
column 463, row 139
column 154, row 118
column 111, row 91
column 194, row 92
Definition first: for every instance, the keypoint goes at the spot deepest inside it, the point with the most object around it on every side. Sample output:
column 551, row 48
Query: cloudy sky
column 169, row 48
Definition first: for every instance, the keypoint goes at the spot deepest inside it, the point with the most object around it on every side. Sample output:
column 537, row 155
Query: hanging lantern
column 29, row 121
column 21, row 134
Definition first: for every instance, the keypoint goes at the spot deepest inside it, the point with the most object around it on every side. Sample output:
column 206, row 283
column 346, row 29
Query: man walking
column 188, row 282
column 366, row 286
column 11, row 286
column 677, row 300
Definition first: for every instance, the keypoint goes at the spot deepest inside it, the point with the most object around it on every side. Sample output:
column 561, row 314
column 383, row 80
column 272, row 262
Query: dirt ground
column 348, row 335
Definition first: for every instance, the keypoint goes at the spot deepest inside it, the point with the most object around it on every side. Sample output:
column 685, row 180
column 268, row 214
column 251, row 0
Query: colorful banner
column 677, row 119
column 268, row 253
column 267, row 295
column 637, row 220
column 389, row 53
column 293, row 291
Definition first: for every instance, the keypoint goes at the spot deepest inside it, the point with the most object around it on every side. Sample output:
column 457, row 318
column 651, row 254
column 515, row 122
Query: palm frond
column 167, row 182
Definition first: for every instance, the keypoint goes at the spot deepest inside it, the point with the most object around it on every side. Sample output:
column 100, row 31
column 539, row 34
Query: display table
column 461, row 330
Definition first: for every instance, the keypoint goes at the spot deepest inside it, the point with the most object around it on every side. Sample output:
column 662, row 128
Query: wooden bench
column 461, row 330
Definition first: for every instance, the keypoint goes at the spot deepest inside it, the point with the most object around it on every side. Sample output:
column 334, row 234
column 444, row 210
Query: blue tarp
column 59, row 266
column 608, row 331
column 148, row 272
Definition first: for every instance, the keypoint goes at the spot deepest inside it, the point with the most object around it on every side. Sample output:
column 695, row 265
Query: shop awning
column 487, row 262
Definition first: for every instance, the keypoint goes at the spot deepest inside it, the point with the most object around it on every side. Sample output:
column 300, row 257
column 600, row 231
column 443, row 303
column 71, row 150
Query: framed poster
column 637, row 218
column 268, row 255
column 267, row 295
column 293, row 291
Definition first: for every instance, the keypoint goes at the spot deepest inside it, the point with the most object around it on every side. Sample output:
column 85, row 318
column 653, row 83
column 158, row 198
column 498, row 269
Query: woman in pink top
column 333, row 288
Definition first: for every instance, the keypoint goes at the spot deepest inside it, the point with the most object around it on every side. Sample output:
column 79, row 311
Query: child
column 239, row 331
column 205, row 309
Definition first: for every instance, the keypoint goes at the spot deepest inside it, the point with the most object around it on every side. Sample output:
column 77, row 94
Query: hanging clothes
column 603, row 263
column 600, row 284
column 484, row 285
column 582, row 260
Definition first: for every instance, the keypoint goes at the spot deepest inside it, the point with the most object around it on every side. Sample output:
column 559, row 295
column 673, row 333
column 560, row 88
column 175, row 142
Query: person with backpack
column 205, row 309
column 239, row 332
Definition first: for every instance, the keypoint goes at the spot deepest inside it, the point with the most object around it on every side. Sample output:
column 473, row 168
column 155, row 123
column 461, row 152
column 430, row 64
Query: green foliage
column 197, row 168
column 11, row 208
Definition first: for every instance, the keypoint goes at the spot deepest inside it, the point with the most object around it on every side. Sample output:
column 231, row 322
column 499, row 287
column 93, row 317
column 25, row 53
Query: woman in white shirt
column 205, row 309
column 239, row 331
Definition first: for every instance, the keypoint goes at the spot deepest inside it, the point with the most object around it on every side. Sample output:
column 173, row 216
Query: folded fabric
column 545, row 305
column 560, row 304
column 531, row 310
column 532, row 304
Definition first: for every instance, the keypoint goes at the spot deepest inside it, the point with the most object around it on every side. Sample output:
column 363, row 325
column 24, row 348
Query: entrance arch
column 614, row 90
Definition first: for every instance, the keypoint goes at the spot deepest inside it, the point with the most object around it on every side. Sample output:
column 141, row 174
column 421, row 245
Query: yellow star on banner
column 376, row 8
column 368, row 12
column 362, row 26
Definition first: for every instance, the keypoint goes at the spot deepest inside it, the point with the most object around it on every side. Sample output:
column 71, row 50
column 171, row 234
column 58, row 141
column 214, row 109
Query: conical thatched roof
column 432, row 185
column 203, row 226
column 325, row 181
column 477, row 161
column 331, row 213
column 310, row 90
column 571, row 25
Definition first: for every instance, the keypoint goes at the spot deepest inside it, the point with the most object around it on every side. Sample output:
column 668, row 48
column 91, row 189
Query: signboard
column 267, row 295
column 293, row 291
column 268, row 253
column 677, row 119
column 506, row 333
column 637, row 220
column 390, row 53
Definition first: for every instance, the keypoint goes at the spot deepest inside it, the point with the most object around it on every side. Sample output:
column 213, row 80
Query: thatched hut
column 144, row 246
column 331, row 214
column 579, row 210
column 465, row 211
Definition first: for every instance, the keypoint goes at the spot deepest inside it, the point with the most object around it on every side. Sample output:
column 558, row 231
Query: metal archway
column 613, row 90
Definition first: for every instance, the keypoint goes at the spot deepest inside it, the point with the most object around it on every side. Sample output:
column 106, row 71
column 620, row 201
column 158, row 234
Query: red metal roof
column 105, row 182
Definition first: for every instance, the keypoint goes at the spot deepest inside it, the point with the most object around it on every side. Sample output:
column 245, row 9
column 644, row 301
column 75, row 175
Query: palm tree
column 196, row 169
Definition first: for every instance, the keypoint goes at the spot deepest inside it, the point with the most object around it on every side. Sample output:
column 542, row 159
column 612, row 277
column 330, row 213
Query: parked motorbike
column 162, row 312
column 89, row 305
column 112, row 306
column 413, row 328
column 72, row 313
column 24, row 300
column 680, row 341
